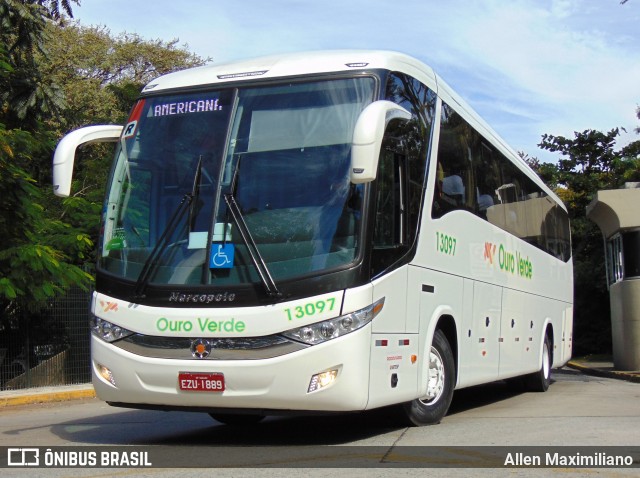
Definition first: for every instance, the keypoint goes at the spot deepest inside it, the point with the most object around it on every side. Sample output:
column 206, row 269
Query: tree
column 55, row 76
column 54, row 7
column 590, row 162
column 100, row 75
column 34, row 254
column 28, row 94
column 45, row 90
column 33, row 260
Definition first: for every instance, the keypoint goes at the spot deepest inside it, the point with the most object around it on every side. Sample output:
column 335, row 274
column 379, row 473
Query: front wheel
column 432, row 407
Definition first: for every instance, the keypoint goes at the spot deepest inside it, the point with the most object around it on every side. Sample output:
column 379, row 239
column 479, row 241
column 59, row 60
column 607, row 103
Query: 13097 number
column 446, row 244
column 310, row 308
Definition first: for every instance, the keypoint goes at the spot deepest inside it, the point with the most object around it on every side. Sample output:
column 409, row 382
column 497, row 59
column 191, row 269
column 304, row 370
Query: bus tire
column 431, row 408
column 539, row 381
column 236, row 419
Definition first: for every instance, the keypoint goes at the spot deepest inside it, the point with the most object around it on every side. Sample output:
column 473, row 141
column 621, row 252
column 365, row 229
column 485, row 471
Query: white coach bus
column 319, row 232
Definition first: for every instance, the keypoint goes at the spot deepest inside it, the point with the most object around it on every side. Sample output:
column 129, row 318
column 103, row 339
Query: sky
column 528, row 67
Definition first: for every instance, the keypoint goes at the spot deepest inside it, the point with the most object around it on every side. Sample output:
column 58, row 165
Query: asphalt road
column 578, row 410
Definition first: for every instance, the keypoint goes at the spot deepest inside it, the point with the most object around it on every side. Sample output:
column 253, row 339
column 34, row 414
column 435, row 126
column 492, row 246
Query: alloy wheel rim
column 435, row 379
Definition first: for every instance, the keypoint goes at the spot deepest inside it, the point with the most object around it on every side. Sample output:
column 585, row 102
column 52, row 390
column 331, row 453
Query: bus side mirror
column 65, row 154
column 367, row 138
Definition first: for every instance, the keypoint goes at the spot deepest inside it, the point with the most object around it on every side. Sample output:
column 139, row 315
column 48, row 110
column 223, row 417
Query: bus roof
column 292, row 64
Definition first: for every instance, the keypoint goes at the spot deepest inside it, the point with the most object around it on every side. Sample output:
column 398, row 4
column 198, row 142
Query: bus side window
column 487, row 178
column 453, row 190
column 455, row 182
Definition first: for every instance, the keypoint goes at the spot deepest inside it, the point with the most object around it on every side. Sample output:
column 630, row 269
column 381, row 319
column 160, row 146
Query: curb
column 53, row 394
column 597, row 372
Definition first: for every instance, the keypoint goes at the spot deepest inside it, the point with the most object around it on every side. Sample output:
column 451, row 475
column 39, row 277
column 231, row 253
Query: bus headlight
column 319, row 332
column 107, row 331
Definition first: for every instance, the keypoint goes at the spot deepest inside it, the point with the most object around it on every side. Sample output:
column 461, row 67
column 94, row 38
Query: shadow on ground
column 148, row 427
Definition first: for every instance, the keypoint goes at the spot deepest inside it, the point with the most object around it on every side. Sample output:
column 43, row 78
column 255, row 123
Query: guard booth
column 617, row 214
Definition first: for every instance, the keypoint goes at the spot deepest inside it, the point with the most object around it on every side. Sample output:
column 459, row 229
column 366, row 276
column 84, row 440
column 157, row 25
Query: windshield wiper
column 257, row 259
column 154, row 258
column 195, row 191
column 252, row 248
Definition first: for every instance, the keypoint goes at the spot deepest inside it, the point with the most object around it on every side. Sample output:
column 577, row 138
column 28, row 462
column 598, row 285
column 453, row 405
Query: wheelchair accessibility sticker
column 222, row 256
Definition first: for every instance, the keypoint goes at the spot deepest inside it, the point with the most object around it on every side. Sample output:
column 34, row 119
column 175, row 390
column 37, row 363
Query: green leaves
column 54, row 77
column 37, row 272
column 7, row 289
column 590, row 162
column 102, row 74
column 38, row 258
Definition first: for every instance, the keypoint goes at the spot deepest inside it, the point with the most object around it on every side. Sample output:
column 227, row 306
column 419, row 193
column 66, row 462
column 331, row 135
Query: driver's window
column 401, row 170
column 390, row 228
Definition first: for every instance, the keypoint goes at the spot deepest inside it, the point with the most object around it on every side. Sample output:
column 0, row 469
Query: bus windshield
column 281, row 152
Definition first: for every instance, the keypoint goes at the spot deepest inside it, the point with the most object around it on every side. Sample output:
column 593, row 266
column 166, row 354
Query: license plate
column 201, row 382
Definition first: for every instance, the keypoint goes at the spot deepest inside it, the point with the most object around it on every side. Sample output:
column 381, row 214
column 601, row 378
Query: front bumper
column 278, row 383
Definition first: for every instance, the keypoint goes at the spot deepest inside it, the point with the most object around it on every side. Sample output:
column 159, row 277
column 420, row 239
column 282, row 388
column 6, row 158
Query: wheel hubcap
column 436, row 377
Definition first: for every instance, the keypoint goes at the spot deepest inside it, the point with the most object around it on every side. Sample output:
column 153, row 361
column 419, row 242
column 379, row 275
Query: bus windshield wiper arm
column 154, row 258
column 252, row 248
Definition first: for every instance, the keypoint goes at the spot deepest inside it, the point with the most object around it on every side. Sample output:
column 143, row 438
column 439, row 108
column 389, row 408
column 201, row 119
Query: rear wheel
column 432, row 407
column 236, row 419
column 539, row 381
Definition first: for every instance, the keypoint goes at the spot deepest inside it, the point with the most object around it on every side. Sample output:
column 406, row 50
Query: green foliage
column 54, row 7
column 102, row 74
column 34, row 263
column 56, row 76
column 590, row 162
column 28, row 94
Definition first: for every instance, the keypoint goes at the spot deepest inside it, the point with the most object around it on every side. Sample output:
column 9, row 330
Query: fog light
column 322, row 380
column 106, row 374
